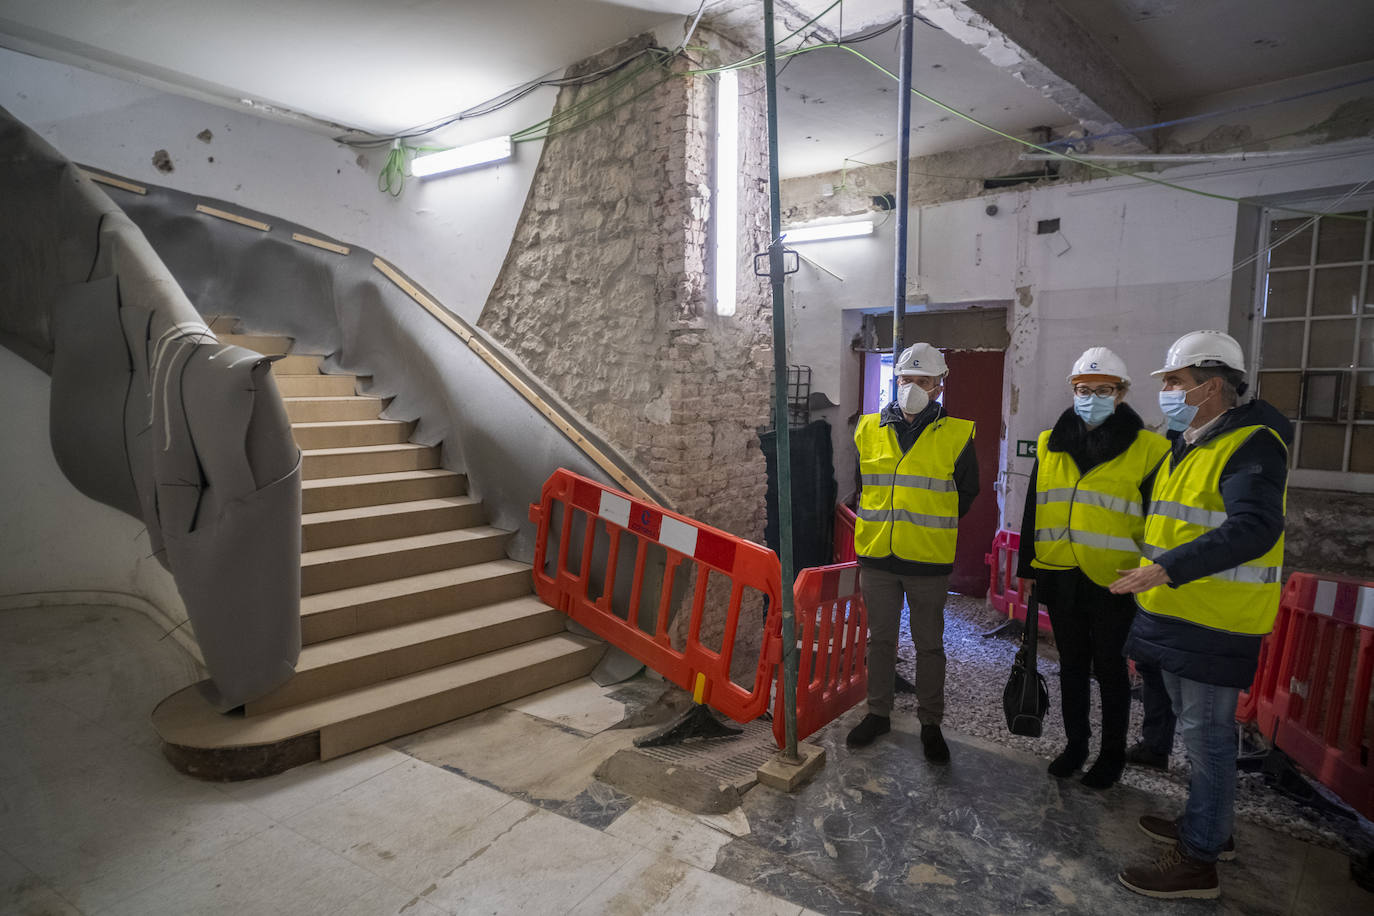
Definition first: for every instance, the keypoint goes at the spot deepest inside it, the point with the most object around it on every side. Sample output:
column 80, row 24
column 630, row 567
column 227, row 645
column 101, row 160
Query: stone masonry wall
column 606, row 292
column 1329, row 531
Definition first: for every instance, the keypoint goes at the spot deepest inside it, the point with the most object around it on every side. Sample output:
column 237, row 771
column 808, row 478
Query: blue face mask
column 1176, row 408
column 1094, row 408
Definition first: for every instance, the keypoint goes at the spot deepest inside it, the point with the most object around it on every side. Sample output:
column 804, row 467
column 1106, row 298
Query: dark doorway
column 975, row 393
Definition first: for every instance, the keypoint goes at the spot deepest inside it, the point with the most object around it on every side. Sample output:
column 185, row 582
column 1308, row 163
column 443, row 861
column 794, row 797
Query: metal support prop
column 780, row 414
column 902, row 204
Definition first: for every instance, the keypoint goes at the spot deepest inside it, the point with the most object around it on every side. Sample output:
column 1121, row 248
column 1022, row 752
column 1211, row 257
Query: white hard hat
column 1100, row 361
column 921, row 359
column 1203, row 348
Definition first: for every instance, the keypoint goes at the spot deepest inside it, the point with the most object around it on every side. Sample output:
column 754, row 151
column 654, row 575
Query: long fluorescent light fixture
column 462, row 157
column 727, row 191
column 848, row 230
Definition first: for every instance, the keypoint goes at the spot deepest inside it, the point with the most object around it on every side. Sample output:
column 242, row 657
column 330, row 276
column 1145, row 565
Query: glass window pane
column 1367, row 341
column 1324, row 396
column 1336, row 291
column 1286, row 294
column 1362, row 450
column 1331, row 344
column 1283, row 390
column 1281, row 347
column 1295, row 251
column 1364, row 396
column 1323, row 446
column 1340, row 239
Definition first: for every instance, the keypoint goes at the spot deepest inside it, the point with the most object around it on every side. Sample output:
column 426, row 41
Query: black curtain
column 813, row 493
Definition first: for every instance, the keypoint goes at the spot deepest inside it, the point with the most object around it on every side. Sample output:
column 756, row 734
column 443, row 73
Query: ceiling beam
column 1045, row 48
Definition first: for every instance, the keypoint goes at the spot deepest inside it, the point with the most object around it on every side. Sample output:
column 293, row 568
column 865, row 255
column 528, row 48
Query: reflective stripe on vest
column 1186, row 505
column 1095, row 521
column 909, row 506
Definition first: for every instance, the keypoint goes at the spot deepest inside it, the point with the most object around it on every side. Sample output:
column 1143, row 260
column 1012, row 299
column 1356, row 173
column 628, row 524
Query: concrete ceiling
column 385, row 67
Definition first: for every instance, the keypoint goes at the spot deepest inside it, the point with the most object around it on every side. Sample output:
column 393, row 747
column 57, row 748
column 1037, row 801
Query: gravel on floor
column 977, row 670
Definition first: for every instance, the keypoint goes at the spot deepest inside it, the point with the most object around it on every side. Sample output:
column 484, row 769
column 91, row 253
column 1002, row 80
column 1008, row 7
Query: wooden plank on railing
column 499, row 365
column 319, row 243
column 233, row 218
column 114, row 182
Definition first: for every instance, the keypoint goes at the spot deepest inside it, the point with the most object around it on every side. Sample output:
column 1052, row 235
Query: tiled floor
column 93, row 820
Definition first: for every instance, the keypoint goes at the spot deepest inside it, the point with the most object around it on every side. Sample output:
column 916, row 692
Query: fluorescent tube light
column 461, row 157
column 828, row 231
column 727, row 191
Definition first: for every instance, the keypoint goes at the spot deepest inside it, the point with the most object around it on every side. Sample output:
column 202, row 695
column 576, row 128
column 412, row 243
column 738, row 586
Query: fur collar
column 1090, row 447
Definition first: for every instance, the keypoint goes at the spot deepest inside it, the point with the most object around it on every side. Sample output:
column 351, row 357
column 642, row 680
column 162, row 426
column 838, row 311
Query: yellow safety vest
column 1185, row 504
column 909, row 507
column 1093, row 521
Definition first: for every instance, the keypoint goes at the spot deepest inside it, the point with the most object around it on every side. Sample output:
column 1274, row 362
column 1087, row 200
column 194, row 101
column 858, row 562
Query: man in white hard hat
column 1083, row 520
column 920, row 476
column 1208, row 589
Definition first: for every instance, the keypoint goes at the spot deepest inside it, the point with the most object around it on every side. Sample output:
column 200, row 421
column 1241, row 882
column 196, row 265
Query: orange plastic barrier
column 1004, row 589
column 1259, row 704
column 591, row 591
column 844, row 534
column 832, row 638
column 1324, row 692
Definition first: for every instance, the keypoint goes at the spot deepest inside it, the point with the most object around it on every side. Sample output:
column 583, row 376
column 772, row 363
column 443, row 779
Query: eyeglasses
column 1102, row 391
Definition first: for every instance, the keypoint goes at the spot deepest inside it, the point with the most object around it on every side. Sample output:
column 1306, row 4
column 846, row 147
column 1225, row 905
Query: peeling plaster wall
column 449, row 233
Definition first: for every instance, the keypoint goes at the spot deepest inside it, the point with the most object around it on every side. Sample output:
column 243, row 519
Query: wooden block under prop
column 787, row 776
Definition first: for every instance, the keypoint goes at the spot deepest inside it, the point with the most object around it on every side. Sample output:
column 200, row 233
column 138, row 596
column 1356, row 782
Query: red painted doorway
column 974, row 392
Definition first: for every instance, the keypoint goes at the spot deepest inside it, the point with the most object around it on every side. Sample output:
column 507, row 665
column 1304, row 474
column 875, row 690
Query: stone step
column 336, row 568
column 341, row 527
column 330, row 615
column 367, row 459
column 268, row 346
column 317, row 386
column 343, row 433
column 329, row 493
column 325, row 410
column 351, row 662
column 201, row 741
column 297, row 364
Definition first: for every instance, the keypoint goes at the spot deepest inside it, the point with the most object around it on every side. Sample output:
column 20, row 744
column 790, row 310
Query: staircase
column 411, row 614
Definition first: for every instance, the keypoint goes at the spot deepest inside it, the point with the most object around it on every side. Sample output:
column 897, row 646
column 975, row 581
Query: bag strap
column 1030, row 635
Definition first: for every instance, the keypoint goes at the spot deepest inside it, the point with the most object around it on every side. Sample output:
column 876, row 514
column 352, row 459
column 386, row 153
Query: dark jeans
column 1157, row 729
column 1090, row 628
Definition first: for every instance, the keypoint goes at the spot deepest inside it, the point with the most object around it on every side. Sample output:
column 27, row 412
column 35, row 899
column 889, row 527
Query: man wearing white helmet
column 1208, row 589
column 919, row 476
column 1083, row 520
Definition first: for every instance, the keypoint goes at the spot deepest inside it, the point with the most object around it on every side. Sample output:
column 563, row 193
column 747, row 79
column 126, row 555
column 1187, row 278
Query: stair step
column 360, row 564
column 367, row 459
column 343, row 433
column 218, row 746
column 317, row 386
column 330, row 615
column 333, row 667
column 297, row 364
column 317, row 410
column 321, row 530
column 268, row 346
column 329, row 493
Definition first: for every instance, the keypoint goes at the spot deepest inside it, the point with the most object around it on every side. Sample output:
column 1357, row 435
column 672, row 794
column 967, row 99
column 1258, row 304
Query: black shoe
column 937, row 751
column 1106, row 770
column 1141, row 755
column 870, row 728
column 1069, row 760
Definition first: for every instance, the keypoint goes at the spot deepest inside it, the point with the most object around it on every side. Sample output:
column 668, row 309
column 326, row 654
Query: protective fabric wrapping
column 153, row 416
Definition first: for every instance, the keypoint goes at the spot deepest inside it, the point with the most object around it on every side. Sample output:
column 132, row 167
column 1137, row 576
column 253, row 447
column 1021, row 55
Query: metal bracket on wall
column 790, row 263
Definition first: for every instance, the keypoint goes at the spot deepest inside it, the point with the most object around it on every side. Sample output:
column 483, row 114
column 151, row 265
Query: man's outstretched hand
column 1140, row 579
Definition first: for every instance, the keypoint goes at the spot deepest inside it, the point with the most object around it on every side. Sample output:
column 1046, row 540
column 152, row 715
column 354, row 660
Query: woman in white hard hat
column 1083, row 521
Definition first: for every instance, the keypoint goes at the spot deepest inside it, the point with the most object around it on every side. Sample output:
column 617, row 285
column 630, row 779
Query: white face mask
column 912, row 398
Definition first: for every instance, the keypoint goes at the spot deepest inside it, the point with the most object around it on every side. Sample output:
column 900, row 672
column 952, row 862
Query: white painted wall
column 450, row 233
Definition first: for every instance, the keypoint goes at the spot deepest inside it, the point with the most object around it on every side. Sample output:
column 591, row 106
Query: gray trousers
column 925, row 596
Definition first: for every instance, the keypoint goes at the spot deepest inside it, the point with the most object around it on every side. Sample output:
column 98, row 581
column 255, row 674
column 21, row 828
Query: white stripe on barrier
column 848, row 582
column 678, row 536
column 1364, row 609
column 1325, row 601
column 615, row 509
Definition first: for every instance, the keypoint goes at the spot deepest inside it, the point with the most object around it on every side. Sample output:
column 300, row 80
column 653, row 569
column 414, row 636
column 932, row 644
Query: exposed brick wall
column 1330, row 531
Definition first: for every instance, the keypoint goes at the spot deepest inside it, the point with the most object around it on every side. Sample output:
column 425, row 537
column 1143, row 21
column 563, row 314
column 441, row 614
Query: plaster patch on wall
column 162, row 161
column 1351, row 120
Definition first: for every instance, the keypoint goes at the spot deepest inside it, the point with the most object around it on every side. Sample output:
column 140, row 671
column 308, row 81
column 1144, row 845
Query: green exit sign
column 1025, row 448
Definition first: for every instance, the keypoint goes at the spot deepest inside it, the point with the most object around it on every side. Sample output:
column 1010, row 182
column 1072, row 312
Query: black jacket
column 1088, row 448
column 1252, row 487
column 965, row 482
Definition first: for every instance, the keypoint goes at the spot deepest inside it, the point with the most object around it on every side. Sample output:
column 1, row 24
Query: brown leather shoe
column 1163, row 830
column 1173, row 875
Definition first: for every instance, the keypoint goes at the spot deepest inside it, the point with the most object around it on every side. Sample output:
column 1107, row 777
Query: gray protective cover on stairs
column 153, row 416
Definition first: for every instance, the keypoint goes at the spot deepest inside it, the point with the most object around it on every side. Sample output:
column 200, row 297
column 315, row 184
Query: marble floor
column 500, row 813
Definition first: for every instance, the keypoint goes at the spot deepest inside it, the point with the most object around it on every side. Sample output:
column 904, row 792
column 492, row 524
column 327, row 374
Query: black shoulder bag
column 1026, row 698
